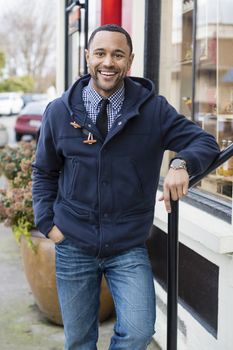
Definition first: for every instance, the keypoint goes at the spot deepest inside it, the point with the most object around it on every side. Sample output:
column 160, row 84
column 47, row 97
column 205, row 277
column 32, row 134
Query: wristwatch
column 178, row 163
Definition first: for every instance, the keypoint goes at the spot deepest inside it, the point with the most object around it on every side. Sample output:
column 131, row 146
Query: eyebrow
column 116, row 51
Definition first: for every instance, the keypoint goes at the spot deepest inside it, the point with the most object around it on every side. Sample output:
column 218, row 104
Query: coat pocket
column 138, row 178
column 78, row 212
column 137, row 214
column 74, row 176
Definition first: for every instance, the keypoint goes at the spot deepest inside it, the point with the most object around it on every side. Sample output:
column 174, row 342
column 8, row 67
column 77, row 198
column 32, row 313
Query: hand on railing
column 175, row 186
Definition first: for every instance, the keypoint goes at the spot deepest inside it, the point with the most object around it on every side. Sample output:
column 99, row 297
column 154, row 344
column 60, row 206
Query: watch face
column 178, row 164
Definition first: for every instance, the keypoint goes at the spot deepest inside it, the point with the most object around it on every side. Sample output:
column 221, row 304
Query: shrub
column 16, row 200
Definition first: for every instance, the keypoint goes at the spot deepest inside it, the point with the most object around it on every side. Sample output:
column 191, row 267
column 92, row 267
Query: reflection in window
column 200, row 72
column 214, row 83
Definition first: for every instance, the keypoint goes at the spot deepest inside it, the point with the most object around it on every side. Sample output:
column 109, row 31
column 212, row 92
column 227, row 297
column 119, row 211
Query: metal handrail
column 173, row 252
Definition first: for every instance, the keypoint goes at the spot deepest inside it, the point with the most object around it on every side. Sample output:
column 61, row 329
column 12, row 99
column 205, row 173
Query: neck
column 106, row 95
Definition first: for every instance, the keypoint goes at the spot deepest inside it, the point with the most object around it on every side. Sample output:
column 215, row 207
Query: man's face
column 108, row 59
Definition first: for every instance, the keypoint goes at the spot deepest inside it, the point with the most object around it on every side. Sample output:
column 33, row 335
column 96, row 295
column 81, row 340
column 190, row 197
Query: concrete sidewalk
column 22, row 326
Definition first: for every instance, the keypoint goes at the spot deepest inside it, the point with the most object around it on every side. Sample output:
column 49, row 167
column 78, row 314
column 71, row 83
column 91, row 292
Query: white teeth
column 107, row 73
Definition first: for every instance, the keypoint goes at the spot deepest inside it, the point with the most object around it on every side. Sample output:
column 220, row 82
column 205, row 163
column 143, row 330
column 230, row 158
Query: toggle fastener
column 75, row 125
column 90, row 139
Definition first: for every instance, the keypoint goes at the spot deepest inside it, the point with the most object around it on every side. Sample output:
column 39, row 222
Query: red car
column 29, row 120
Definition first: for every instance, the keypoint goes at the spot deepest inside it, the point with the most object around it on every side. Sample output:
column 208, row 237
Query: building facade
column 186, row 48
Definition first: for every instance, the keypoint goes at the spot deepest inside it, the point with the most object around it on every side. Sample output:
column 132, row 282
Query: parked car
column 3, row 135
column 29, row 120
column 33, row 96
column 10, row 103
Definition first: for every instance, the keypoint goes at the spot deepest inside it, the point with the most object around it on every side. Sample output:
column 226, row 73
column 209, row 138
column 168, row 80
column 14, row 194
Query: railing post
column 173, row 253
column 172, row 275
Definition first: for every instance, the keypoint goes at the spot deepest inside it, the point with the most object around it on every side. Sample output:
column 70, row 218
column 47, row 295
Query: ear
column 87, row 56
column 130, row 60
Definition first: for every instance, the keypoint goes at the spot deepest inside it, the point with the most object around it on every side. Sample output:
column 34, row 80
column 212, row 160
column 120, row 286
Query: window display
column 201, row 73
column 214, row 84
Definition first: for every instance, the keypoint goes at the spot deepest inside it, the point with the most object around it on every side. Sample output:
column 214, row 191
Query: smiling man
column 108, row 61
column 94, row 186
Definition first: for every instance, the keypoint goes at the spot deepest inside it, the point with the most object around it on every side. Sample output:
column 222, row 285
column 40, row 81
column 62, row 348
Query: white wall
column 137, row 14
column 138, row 26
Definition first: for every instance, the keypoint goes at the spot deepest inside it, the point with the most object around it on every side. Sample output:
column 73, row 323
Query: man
column 94, row 185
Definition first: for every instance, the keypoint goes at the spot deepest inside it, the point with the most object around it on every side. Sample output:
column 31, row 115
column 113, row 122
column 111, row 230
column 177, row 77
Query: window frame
column 208, row 202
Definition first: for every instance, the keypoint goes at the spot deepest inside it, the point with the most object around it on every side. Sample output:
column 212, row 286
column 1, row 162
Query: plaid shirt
column 92, row 102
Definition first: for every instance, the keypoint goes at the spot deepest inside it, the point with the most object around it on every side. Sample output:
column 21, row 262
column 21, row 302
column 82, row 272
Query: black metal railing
column 173, row 253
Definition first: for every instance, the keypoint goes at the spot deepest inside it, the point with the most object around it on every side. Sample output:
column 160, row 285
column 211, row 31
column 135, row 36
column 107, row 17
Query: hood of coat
column 137, row 92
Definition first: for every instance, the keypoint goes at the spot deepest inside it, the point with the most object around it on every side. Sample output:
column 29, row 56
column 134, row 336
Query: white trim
column 199, row 226
column 138, row 24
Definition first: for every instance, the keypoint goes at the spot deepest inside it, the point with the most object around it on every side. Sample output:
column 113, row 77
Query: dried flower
column 16, row 200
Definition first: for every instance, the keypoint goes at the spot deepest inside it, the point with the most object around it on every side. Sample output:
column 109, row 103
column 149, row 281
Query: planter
column 39, row 268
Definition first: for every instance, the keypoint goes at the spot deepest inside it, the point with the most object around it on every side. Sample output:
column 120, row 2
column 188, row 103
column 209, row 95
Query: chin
column 107, row 89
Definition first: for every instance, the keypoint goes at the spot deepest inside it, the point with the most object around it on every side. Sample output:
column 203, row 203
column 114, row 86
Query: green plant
column 16, row 199
column 15, row 83
column 2, row 62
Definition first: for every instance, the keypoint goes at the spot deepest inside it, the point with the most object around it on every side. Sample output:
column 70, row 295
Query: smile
column 107, row 74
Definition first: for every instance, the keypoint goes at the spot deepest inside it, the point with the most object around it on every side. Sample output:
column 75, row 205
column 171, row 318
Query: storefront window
column 196, row 73
column 74, row 57
column 74, row 30
column 76, row 44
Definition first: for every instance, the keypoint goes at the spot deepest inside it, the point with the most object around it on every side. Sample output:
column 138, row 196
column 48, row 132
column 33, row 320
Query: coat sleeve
column 197, row 147
column 46, row 169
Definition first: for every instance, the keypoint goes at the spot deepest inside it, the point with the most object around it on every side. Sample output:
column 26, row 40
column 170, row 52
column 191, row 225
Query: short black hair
column 112, row 28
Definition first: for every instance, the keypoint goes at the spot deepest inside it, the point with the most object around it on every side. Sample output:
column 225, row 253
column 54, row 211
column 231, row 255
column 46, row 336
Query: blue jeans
column 130, row 281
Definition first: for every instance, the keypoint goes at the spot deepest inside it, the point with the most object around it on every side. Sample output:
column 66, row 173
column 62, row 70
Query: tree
column 28, row 38
column 2, row 62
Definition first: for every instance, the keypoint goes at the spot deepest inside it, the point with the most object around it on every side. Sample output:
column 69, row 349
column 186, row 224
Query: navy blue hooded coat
column 102, row 195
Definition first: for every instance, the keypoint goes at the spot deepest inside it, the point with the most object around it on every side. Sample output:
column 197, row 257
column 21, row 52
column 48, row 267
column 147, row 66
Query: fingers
column 167, row 198
column 55, row 233
column 185, row 188
column 175, row 187
column 57, row 229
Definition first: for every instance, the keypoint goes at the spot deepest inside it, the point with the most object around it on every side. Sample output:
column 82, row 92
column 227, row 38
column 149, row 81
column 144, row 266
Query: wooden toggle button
column 90, row 139
column 75, row 125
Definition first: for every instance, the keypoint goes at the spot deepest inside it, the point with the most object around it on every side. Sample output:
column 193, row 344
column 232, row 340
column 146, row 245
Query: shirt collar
column 95, row 98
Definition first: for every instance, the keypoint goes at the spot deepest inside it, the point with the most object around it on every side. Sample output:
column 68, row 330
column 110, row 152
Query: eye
column 99, row 54
column 119, row 55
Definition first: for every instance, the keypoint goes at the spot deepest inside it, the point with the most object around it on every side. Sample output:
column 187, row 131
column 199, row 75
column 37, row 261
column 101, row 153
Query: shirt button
column 105, row 215
column 106, row 245
column 119, row 123
column 89, row 125
column 104, row 183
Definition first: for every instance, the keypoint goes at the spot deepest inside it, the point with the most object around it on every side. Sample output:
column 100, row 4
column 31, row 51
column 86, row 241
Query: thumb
column 161, row 198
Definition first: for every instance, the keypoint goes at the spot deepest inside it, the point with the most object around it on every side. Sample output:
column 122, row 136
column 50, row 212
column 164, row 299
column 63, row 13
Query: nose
column 108, row 61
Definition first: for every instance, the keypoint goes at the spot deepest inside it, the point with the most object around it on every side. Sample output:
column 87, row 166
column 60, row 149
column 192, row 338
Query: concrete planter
column 40, row 272
column 3, row 135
